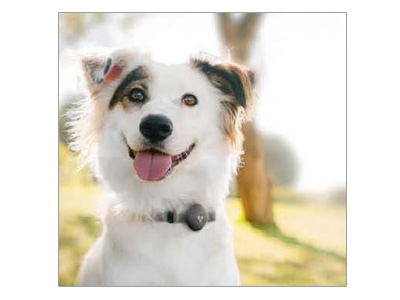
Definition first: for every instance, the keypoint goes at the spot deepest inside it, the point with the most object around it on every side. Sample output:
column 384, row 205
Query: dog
column 165, row 141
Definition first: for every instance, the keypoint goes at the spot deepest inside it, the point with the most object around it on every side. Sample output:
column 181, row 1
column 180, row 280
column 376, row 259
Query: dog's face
column 150, row 124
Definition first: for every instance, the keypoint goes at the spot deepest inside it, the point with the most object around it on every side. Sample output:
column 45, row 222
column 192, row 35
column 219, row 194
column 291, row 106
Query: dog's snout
column 156, row 128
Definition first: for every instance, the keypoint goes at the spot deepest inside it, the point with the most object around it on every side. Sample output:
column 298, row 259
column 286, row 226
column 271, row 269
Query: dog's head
column 149, row 124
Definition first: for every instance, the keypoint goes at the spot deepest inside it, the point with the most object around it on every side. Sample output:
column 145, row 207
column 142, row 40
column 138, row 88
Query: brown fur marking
column 138, row 77
column 236, row 85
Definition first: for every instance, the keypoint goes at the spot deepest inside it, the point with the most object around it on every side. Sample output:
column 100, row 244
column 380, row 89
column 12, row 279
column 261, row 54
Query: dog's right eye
column 136, row 95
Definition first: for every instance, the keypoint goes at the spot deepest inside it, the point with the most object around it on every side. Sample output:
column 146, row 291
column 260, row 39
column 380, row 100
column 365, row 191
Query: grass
column 78, row 228
column 308, row 246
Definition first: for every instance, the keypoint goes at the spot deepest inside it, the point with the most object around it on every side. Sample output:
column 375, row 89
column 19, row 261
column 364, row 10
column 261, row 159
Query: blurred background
column 288, row 203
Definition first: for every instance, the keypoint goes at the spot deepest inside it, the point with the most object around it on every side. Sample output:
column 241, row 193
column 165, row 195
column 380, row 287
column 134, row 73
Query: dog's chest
column 168, row 254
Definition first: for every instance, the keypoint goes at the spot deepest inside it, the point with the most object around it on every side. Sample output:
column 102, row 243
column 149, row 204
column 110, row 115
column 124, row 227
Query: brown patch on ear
column 231, row 79
column 99, row 70
column 236, row 84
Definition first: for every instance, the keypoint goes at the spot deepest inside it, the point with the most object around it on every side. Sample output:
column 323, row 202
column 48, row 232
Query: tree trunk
column 254, row 187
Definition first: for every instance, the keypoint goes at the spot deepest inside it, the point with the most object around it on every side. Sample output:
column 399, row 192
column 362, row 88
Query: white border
column 29, row 156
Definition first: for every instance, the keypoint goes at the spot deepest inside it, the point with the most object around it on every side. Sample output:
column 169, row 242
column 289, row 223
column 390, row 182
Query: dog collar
column 195, row 217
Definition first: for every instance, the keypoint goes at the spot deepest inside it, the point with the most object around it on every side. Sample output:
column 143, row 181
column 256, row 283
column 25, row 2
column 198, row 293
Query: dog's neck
column 146, row 207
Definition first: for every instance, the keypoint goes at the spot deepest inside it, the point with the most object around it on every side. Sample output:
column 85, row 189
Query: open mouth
column 154, row 165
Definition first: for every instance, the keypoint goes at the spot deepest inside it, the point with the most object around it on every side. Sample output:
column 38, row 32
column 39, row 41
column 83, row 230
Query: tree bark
column 254, row 186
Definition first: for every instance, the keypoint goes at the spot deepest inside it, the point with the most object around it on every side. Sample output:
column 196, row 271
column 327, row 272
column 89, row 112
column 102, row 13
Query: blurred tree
column 338, row 195
column 281, row 162
column 254, row 186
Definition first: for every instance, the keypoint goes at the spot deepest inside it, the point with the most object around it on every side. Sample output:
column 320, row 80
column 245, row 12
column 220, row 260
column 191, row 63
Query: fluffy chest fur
column 163, row 254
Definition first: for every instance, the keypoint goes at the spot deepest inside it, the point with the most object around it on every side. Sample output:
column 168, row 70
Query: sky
column 300, row 61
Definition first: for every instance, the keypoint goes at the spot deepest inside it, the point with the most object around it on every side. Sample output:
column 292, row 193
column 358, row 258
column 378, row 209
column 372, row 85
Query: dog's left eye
column 136, row 95
column 189, row 99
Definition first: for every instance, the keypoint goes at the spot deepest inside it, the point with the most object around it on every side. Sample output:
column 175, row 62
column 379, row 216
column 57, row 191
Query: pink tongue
column 151, row 166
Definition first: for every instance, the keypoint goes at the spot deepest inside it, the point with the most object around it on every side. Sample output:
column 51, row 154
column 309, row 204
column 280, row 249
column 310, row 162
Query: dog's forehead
column 178, row 76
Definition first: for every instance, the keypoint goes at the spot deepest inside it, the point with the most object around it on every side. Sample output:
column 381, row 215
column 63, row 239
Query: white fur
column 131, row 252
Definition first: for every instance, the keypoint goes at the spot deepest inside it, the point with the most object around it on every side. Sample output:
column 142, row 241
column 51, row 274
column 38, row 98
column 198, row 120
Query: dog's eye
column 189, row 99
column 136, row 95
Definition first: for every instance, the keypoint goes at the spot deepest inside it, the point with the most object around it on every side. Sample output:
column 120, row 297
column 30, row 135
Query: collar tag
column 195, row 217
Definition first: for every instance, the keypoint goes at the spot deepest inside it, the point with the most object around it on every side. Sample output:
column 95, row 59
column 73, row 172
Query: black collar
column 195, row 217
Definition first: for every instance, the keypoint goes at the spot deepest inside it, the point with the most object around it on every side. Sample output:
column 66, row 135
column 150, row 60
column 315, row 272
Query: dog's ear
column 100, row 70
column 231, row 79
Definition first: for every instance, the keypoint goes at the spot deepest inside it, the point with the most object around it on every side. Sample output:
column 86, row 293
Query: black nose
column 156, row 128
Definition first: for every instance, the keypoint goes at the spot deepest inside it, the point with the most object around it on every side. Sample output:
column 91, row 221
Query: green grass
column 308, row 246
column 78, row 227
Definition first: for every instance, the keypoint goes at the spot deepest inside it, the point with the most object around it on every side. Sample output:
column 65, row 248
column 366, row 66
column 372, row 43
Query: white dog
column 165, row 141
